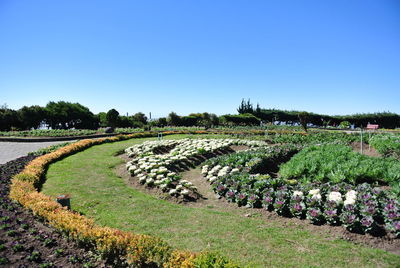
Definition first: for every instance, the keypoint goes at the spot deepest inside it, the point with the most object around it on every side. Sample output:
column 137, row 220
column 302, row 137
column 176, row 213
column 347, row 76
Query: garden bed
column 26, row 240
column 266, row 242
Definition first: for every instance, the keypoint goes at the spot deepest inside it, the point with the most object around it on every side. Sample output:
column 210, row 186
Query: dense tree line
column 57, row 115
column 384, row 119
column 65, row 115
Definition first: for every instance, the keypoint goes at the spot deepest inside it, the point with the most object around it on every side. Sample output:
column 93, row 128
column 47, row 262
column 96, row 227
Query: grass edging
column 116, row 246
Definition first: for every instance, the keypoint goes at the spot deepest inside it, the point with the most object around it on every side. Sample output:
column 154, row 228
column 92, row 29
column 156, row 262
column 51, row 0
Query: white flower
column 313, row 192
column 185, row 192
column 298, row 193
column 351, row 194
column 317, row 197
column 212, row 179
column 173, row 191
column 149, row 181
column 234, row 170
column 179, row 187
column 335, row 196
column 349, row 201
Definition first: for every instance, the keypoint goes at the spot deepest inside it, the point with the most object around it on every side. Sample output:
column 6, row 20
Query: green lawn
column 99, row 193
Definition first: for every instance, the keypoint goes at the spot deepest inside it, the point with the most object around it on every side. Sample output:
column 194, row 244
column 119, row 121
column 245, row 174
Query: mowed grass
column 97, row 191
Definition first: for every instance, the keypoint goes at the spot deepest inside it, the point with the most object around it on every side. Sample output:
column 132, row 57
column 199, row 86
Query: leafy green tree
column 140, row 117
column 31, row 116
column 245, row 107
column 9, row 119
column 112, row 117
column 174, row 119
column 66, row 115
column 344, row 124
column 304, row 118
column 102, row 117
column 162, row 122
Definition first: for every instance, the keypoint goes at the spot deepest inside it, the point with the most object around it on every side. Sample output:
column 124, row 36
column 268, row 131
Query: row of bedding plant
column 156, row 169
column 360, row 207
column 314, row 138
column 48, row 133
column 118, row 247
column 339, row 163
column 387, row 145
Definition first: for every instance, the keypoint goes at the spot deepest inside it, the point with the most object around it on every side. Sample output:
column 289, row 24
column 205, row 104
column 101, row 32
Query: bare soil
column 367, row 149
column 23, row 236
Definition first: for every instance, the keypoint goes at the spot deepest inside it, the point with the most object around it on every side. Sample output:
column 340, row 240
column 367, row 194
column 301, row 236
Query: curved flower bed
column 117, row 247
column 360, row 208
column 155, row 170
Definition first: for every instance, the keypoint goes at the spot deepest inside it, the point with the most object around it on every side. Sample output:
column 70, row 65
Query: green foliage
column 339, row 163
column 241, row 119
column 385, row 119
column 9, row 119
column 102, row 117
column 32, row 116
column 140, row 117
column 112, row 118
column 173, row 119
column 49, row 149
column 48, row 133
column 304, row 119
column 245, row 107
column 314, row 138
column 214, row 260
column 387, row 145
column 69, row 115
column 344, row 124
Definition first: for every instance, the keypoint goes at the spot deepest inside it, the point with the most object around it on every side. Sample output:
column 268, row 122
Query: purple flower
column 349, row 208
column 396, row 225
column 367, row 221
column 392, row 215
column 221, row 188
column 389, row 206
column 297, row 198
column 366, row 196
column 298, row 207
column 279, row 203
column 253, row 198
column 314, row 212
column 241, row 196
column 230, row 194
column 268, row 199
column 370, row 210
column 330, row 213
column 376, row 191
column 349, row 218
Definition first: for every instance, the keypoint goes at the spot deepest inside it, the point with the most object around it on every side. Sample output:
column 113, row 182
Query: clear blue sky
column 331, row 57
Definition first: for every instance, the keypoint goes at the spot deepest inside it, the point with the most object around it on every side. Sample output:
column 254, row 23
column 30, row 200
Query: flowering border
column 116, row 246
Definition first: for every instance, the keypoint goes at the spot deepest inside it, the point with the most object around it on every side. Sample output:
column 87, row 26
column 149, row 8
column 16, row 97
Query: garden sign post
column 361, row 132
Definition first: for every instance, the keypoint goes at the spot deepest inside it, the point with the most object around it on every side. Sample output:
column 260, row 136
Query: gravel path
column 13, row 150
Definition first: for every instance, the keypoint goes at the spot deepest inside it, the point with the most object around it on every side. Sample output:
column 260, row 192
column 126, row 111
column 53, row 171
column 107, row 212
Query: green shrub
column 214, row 260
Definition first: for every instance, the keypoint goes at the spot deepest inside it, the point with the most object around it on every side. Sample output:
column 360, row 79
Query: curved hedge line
column 116, row 246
